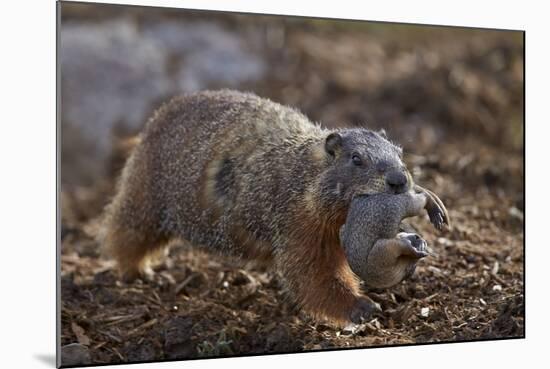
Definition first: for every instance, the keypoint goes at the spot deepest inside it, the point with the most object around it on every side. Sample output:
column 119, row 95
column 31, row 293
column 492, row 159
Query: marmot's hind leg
column 133, row 250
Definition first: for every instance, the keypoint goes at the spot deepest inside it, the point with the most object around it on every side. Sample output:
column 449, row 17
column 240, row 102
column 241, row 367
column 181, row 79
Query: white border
column 27, row 154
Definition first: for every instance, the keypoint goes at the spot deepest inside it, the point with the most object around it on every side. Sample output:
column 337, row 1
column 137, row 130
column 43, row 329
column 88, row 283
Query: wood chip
column 111, row 336
column 117, row 353
column 494, row 271
column 185, row 282
column 425, row 312
column 431, row 296
column 80, row 334
column 499, row 280
column 141, row 327
column 122, row 319
column 99, row 345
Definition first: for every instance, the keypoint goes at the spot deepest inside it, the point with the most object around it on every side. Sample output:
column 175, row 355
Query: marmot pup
column 375, row 250
column 248, row 177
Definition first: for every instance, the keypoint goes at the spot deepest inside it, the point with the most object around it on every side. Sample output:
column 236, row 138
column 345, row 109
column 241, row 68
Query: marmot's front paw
column 145, row 274
column 363, row 310
column 416, row 246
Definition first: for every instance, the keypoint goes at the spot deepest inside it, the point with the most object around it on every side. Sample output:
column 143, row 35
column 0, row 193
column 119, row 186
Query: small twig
column 431, row 296
column 114, row 338
column 118, row 353
column 143, row 326
column 185, row 282
column 460, row 325
column 122, row 319
column 499, row 280
column 99, row 345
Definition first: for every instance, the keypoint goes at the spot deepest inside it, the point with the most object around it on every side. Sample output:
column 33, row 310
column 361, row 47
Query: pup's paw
column 413, row 245
column 436, row 209
column 436, row 216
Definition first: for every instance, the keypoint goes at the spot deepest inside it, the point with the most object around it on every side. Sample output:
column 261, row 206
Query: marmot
column 375, row 250
column 248, row 177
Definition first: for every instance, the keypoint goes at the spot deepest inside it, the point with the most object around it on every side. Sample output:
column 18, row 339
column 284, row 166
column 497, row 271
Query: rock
column 75, row 354
column 115, row 73
column 110, row 76
column 213, row 55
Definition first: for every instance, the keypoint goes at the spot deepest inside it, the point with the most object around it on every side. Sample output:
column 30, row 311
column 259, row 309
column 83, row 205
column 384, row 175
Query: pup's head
column 364, row 162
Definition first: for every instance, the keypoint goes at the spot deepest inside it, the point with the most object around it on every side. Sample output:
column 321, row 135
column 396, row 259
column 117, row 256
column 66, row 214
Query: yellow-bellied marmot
column 248, row 177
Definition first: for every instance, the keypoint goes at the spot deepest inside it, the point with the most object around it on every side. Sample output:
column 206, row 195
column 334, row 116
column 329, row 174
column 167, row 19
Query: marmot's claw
column 363, row 310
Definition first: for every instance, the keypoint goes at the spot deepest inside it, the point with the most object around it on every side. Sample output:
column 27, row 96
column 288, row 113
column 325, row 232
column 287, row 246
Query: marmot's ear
column 333, row 143
column 382, row 133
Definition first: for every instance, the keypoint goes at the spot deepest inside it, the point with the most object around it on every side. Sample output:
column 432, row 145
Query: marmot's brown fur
column 249, row 177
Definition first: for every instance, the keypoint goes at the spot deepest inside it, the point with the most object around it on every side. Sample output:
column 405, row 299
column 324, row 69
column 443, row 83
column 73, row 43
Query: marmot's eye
column 356, row 160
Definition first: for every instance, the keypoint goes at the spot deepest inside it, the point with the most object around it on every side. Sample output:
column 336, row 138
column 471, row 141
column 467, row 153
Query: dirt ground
column 452, row 98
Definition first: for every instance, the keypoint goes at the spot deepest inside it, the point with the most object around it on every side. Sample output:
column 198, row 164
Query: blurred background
column 452, row 97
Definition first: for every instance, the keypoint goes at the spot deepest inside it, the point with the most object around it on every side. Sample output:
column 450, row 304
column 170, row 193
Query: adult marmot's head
column 362, row 162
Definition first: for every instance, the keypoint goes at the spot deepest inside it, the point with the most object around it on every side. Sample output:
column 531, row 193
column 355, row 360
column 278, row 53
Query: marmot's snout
column 397, row 181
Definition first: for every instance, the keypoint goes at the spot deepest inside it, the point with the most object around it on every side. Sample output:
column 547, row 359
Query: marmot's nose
column 397, row 181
